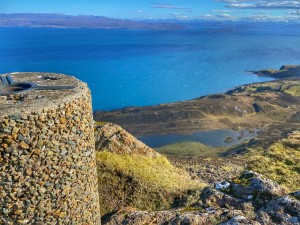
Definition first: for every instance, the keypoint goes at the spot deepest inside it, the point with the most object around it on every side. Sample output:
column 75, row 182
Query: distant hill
column 67, row 21
column 101, row 22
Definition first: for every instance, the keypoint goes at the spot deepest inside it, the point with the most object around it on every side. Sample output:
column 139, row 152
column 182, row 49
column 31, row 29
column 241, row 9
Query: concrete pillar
column 47, row 154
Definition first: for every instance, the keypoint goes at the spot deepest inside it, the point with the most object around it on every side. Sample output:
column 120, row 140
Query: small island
column 228, row 139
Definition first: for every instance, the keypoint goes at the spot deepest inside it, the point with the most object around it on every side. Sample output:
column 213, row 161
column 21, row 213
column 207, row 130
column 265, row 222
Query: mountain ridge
column 53, row 20
column 80, row 21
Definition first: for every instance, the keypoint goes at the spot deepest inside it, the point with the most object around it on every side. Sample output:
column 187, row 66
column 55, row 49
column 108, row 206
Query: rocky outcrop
column 212, row 170
column 173, row 217
column 283, row 210
column 285, row 71
column 250, row 199
column 113, row 138
column 251, row 185
column 132, row 174
column 240, row 220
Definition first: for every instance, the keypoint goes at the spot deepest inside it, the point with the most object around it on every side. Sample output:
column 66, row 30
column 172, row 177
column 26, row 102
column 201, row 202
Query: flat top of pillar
column 35, row 100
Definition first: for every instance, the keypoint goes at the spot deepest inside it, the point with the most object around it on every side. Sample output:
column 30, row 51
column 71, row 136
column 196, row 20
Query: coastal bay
column 272, row 107
column 127, row 68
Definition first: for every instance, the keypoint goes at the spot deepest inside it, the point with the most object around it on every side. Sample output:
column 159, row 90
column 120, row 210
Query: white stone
column 249, row 197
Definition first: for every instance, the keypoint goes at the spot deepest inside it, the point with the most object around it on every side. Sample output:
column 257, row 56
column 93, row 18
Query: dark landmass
column 100, row 22
column 67, row 21
column 283, row 72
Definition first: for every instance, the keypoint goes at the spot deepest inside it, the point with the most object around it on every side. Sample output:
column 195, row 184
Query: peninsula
column 284, row 72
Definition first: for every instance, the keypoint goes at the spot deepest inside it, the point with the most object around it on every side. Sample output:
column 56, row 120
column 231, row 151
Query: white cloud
column 295, row 12
column 178, row 16
column 261, row 13
column 226, row 16
column 256, row 17
column 241, row 5
column 168, row 6
column 139, row 11
column 219, row 17
column 221, row 10
column 262, row 4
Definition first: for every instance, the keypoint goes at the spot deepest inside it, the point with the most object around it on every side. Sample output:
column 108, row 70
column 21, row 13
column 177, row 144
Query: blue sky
column 262, row 10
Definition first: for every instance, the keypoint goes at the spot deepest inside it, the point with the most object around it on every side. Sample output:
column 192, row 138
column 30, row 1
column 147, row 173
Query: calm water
column 135, row 68
column 215, row 138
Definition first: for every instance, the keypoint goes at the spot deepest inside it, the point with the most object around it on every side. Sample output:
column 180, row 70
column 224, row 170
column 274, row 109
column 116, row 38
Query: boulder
column 252, row 185
column 240, row 220
column 226, row 204
column 171, row 217
column 113, row 138
column 283, row 210
column 215, row 198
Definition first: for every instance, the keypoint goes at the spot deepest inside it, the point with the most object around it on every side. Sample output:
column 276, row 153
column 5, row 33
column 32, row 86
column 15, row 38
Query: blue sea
column 137, row 68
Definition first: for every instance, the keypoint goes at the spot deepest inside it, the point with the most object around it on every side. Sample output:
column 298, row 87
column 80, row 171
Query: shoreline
column 272, row 107
column 271, row 73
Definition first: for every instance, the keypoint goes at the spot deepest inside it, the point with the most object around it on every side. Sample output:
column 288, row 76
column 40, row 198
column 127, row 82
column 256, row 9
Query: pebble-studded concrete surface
column 47, row 156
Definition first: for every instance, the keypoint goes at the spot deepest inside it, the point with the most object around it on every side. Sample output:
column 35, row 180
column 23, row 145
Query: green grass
column 190, row 149
column 289, row 87
column 293, row 90
column 280, row 162
column 139, row 181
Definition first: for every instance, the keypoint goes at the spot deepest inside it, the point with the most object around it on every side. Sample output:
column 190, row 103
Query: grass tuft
column 293, row 90
column 280, row 162
column 139, row 181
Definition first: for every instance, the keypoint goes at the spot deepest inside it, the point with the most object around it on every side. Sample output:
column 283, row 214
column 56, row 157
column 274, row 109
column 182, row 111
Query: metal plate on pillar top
column 10, row 87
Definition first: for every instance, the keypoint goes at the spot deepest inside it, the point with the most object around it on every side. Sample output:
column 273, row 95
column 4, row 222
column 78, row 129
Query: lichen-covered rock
column 135, row 217
column 240, row 220
column 172, row 217
column 251, row 185
column 283, row 210
column 224, row 206
column 113, row 138
column 216, row 198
